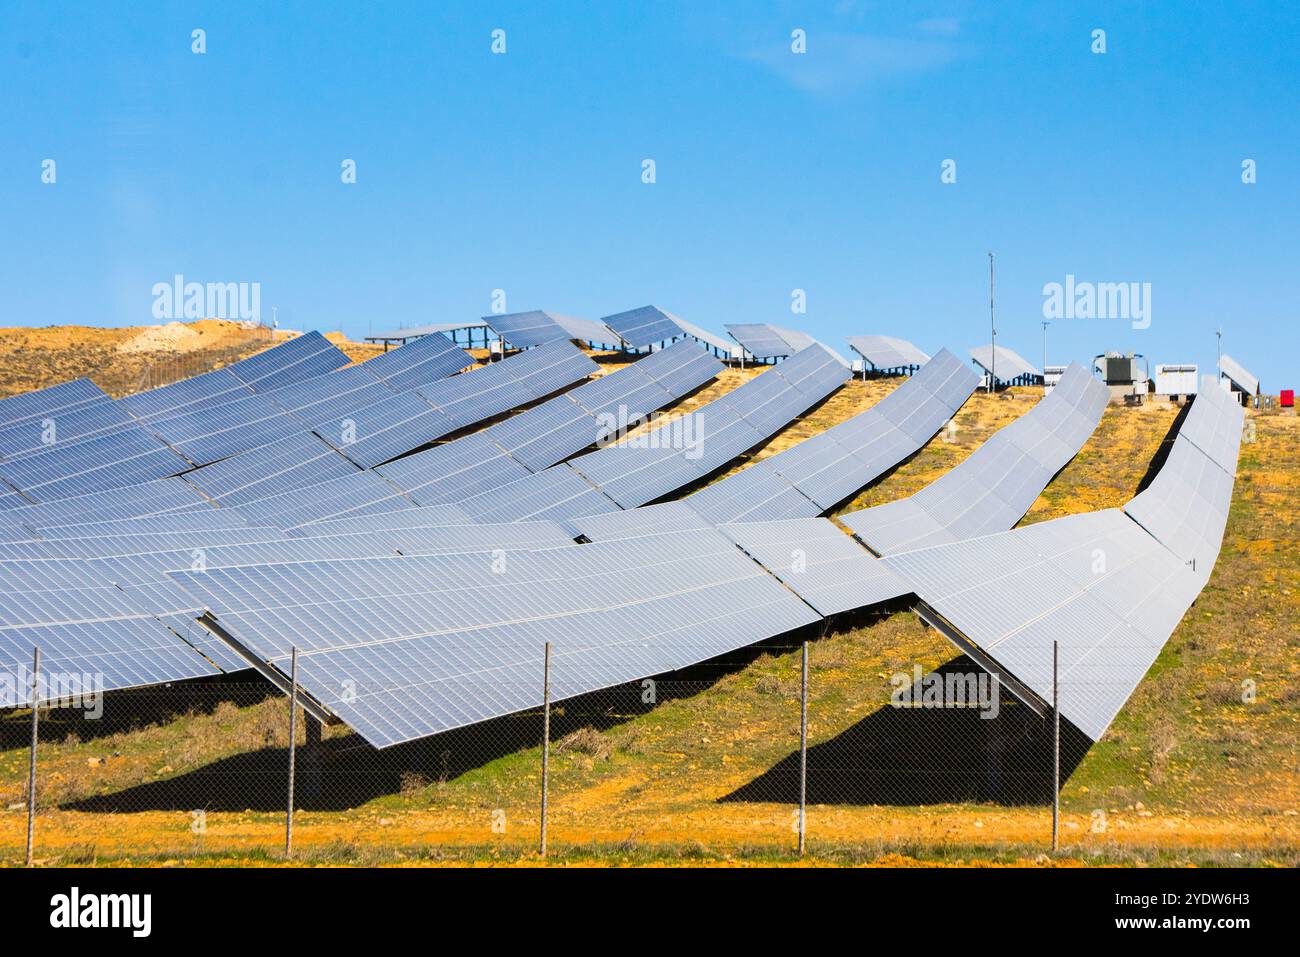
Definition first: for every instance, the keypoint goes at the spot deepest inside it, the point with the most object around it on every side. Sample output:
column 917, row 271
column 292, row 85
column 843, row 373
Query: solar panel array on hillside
column 1109, row 586
column 812, row 477
column 760, row 340
column 992, row 489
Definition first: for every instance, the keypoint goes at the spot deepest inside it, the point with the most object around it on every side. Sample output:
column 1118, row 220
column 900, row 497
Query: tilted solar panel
column 546, row 434
column 66, row 425
column 360, row 493
column 210, row 388
column 295, row 462
column 127, row 457
column 638, row 522
column 64, row 397
column 558, row 495
column 1237, row 373
column 884, row 352
column 301, row 357
column 523, row 330
column 454, row 471
column 407, row 647
column 821, row 564
column 759, row 339
column 1109, row 587
column 197, row 520
column 644, row 326
column 130, row 501
column 1009, row 365
column 418, row 517
column 388, row 428
column 996, row 485
column 418, row 362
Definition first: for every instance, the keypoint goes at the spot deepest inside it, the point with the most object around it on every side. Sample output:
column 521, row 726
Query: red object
column 1288, row 399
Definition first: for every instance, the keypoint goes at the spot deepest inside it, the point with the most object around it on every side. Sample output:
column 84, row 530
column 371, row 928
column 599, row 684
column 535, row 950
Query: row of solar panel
column 813, row 476
column 992, row 489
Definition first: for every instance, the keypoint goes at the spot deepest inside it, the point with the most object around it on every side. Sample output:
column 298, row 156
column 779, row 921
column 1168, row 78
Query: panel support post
column 293, row 740
column 1056, row 747
column 803, row 751
column 31, row 764
column 546, row 737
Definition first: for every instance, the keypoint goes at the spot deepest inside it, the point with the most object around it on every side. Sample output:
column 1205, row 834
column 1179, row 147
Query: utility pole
column 993, row 339
column 1218, row 365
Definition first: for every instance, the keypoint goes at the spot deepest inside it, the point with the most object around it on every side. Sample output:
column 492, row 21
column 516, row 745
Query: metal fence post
column 31, row 767
column 1056, row 748
column 546, row 737
column 293, row 737
column 803, row 751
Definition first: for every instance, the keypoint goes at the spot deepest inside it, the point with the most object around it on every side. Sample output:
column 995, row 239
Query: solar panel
column 418, row 517
column 681, row 368
column 209, row 388
column 452, row 472
column 198, row 520
column 644, row 326
column 549, row 433
column 1010, row 365
column 66, row 425
column 393, row 426
column 126, row 457
column 425, row 644
column 548, row 368
column 558, row 495
column 1107, row 590
column 418, row 362
column 814, row 476
column 821, row 564
column 295, row 462
column 211, row 432
column 523, row 330
column 585, row 330
column 814, row 371
column 760, row 340
column 118, row 647
column 1237, row 373
column 64, row 397
column 638, row 522
column 131, row 501
column 884, row 352
column 297, row 359
column 996, row 485
column 360, row 493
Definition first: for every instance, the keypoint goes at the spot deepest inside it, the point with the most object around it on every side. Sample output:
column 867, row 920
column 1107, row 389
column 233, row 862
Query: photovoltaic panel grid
column 82, row 421
column 295, row 462
column 426, row 644
column 378, row 433
column 126, row 457
column 820, row 563
column 992, row 489
column 885, row 352
column 760, row 340
column 812, row 477
column 1109, row 586
column 523, row 330
column 147, row 498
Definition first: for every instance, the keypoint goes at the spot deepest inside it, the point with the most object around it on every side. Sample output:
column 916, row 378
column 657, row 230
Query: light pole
column 1045, row 325
column 993, row 334
column 1218, row 363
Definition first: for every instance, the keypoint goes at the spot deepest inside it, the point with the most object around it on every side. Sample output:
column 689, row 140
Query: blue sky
column 775, row 171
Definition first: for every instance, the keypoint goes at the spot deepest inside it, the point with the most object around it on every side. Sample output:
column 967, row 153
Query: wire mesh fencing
column 921, row 760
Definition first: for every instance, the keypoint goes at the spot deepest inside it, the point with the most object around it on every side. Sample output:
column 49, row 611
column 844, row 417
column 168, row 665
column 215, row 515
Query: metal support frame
column 546, row 739
column 31, row 766
column 293, row 740
column 1056, row 747
column 803, row 753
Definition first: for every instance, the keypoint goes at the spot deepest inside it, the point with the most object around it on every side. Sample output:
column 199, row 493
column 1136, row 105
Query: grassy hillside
column 1189, row 773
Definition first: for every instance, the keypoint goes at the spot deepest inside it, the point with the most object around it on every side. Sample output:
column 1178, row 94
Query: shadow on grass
column 911, row 756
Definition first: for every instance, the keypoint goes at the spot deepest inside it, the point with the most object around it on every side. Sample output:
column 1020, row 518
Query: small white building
column 1175, row 379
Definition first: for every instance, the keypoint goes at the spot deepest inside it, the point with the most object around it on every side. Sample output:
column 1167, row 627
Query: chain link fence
column 932, row 760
